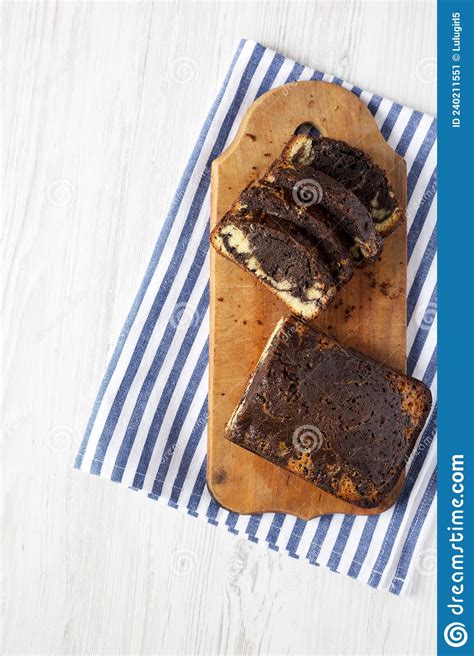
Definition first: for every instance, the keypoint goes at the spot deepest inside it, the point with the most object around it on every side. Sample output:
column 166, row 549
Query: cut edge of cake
column 301, row 149
column 315, row 225
column 347, row 212
column 231, row 238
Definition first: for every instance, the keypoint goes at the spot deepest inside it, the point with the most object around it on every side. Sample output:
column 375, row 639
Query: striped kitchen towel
column 148, row 424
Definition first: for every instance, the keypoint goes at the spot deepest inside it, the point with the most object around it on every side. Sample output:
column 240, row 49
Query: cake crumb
column 385, row 288
column 348, row 312
column 219, row 476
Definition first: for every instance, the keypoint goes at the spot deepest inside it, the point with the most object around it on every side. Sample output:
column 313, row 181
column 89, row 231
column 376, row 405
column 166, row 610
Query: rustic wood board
column 369, row 313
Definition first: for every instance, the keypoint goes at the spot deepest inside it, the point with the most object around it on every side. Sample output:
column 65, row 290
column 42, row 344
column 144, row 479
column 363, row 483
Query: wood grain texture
column 89, row 567
column 369, row 313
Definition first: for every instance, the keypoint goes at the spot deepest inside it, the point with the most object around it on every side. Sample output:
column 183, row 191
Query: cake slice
column 309, row 188
column 316, row 226
column 330, row 414
column 355, row 170
column 280, row 257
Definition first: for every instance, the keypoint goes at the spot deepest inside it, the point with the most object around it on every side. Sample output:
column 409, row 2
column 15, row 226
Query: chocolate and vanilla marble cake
column 316, row 225
column 330, row 414
column 348, row 214
column 282, row 258
column 318, row 212
column 355, row 170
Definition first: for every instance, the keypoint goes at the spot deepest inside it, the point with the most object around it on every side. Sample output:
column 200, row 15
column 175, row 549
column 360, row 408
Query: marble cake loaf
column 354, row 169
column 309, row 227
column 282, row 258
column 331, row 415
column 316, row 226
column 311, row 188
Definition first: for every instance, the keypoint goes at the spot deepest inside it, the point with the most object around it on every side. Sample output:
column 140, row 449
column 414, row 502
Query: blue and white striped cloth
column 148, row 425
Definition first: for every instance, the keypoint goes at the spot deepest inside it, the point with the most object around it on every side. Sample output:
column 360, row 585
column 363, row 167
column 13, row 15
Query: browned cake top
column 330, row 414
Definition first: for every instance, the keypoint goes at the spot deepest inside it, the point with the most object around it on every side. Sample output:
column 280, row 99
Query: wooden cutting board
column 368, row 314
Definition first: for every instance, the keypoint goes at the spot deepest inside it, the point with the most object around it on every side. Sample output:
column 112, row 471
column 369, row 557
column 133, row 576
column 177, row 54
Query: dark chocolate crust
column 355, row 170
column 316, row 228
column 331, row 415
column 347, row 211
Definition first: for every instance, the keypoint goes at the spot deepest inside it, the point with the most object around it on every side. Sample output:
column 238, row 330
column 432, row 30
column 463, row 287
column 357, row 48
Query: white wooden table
column 96, row 134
